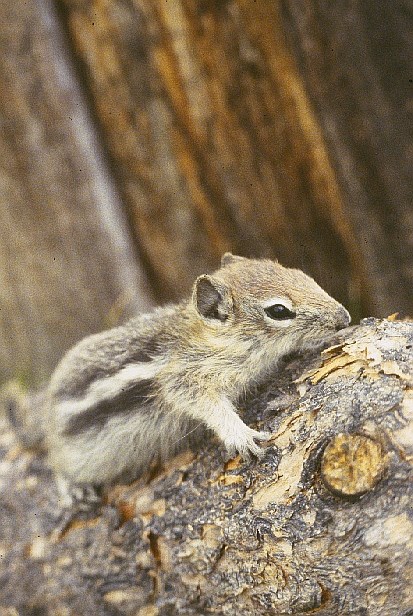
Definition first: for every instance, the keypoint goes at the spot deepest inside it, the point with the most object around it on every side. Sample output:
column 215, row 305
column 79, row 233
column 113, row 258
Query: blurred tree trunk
column 65, row 271
column 213, row 139
column 267, row 128
column 357, row 62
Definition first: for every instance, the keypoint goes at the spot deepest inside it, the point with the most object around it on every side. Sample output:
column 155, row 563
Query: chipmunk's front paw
column 244, row 443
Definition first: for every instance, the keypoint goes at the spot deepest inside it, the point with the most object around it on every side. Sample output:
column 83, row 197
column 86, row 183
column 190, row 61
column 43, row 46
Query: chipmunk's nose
column 343, row 318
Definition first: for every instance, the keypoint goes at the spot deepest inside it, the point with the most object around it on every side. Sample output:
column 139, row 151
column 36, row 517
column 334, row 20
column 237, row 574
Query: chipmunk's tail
column 24, row 412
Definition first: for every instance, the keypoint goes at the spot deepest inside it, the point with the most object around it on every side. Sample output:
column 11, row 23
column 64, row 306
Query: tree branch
column 322, row 523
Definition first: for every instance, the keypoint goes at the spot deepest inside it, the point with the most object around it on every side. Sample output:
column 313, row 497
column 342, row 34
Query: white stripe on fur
column 109, row 387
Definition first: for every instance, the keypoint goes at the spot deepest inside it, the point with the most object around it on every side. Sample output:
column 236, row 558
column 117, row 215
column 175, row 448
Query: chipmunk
column 122, row 398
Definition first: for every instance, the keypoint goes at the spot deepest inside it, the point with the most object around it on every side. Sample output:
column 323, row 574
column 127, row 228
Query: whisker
column 187, row 433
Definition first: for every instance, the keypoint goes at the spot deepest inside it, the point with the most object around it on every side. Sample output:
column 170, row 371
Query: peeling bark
column 322, row 524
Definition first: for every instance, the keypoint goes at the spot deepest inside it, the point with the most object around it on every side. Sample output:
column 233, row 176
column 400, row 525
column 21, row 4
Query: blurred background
column 140, row 139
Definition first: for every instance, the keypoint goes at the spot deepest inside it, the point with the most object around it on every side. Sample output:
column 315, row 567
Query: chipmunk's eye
column 279, row 312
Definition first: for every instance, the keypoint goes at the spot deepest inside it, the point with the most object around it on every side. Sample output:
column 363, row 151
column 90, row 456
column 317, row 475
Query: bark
column 356, row 61
column 67, row 264
column 213, row 139
column 323, row 523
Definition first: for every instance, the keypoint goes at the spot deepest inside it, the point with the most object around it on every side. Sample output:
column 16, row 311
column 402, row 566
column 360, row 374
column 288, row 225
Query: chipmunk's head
column 262, row 299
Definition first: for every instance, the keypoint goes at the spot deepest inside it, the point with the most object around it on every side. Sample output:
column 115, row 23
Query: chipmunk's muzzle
column 342, row 319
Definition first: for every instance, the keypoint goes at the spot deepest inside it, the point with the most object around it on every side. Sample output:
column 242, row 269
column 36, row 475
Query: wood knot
column 352, row 464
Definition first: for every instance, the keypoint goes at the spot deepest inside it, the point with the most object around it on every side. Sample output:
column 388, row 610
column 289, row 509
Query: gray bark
column 323, row 523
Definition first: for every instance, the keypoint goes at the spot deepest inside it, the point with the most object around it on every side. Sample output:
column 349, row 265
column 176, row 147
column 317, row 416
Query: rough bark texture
column 67, row 264
column 356, row 61
column 322, row 524
column 213, row 139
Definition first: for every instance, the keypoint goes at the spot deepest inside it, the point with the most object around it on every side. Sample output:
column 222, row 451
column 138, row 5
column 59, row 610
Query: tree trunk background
column 67, row 261
column 210, row 129
column 357, row 62
column 322, row 524
column 142, row 139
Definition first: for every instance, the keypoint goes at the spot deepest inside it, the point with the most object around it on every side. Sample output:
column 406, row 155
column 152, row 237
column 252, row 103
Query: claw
column 247, row 446
column 244, row 440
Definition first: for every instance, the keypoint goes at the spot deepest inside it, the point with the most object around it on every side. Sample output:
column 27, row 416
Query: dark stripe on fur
column 96, row 416
column 79, row 382
column 149, row 351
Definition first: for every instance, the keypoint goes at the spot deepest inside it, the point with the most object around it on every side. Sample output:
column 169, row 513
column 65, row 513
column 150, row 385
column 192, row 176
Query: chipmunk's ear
column 212, row 298
column 228, row 258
